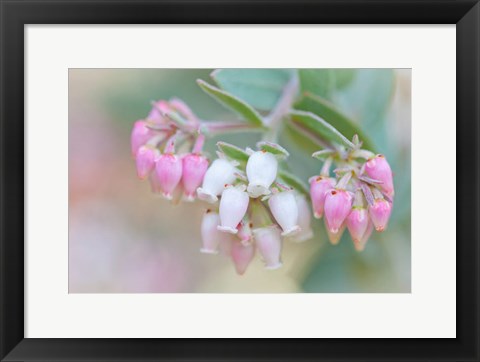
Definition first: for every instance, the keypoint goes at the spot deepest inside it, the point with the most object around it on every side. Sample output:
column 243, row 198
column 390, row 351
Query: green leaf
column 273, row 148
column 367, row 100
column 292, row 134
column 294, row 181
column 319, row 127
column 233, row 152
column 232, row 102
column 317, row 81
column 329, row 113
column 261, row 88
column 343, row 77
column 322, row 154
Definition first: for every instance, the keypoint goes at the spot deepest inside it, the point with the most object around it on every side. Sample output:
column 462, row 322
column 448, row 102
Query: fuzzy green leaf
column 233, row 152
column 317, row 81
column 273, row 148
column 261, row 88
column 326, row 110
column 319, row 127
column 233, row 103
column 322, row 154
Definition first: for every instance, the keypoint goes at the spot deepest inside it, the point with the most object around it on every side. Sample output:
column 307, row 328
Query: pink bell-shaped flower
column 220, row 173
column 360, row 245
column 242, row 255
column 378, row 169
column 145, row 161
column 211, row 237
column 169, row 173
column 261, row 173
column 334, row 237
column 285, row 211
column 194, row 169
column 380, row 213
column 140, row 135
column 269, row 244
column 319, row 186
column 232, row 209
column 357, row 223
column 338, row 204
column 155, row 184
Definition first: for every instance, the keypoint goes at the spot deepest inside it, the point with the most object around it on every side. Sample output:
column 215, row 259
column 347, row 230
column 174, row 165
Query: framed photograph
column 238, row 180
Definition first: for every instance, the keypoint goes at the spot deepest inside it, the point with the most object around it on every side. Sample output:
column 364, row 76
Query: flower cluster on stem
column 359, row 197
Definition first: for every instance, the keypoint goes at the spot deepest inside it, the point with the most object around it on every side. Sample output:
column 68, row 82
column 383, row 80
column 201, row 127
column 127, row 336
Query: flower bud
column 169, row 173
column 378, row 169
column 338, row 204
column 154, row 183
column 285, row 211
column 334, row 237
column 261, row 172
column 304, row 220
column 357, row 223
column 269, row 244
column 220, row 173
column 145, row 160
column 360, row 245
column 211, row 237
column 233, row 206
column 380, row 213
column 140, row 135
column 242, row 255
column 319, row 186
column 194, row 168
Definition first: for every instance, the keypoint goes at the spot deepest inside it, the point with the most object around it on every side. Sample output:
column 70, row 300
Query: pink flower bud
column 261, row 172
column 269, row 244
column 285, row 211
column 154, row 183
column 211, row 237
column 156, row 113
column 140, row 135
column 220, row 173
column 146, row 157
column 380, row 213
column 357, row 223
column 242, row 255
column 233, row 206
column 169, row 173
column 360, row 245
column 378, row 169
column 194, row 168
column 334, row 237
column 304, row 220
column 338, row 204
column 319, row 186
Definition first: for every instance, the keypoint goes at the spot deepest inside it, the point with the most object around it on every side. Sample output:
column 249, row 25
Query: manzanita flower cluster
column 254, row 204
column 359, row 197
column 252, row 210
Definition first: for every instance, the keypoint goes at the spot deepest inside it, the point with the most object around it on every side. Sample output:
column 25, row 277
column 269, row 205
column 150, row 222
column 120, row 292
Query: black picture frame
column 15, row 14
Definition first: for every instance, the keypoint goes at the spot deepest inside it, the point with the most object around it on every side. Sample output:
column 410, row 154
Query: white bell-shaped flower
column 220, row 173
column 261, row 173
column 269, row 244
column 232, row 209
column 211, row 237
column 304, row 220
column 285, row 211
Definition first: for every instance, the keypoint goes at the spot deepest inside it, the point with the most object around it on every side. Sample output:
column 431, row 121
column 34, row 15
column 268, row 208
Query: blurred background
column 122, row 239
